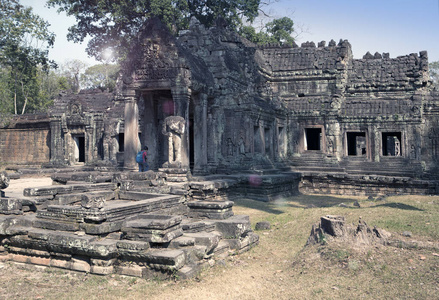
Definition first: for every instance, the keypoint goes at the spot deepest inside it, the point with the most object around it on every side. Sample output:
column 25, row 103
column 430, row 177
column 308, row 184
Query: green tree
column 434, row 73
column 101, row 76
column 278, row 31
column 116, row 24
column 24, row 43
column 72, row 71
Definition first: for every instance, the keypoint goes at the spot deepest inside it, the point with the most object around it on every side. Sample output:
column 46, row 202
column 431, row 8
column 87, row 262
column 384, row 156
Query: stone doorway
column 157, row 105
column 313, row 139
column 79, row 148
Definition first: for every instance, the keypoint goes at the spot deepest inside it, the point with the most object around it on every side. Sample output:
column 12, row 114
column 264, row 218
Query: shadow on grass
column 399, row 206
column 268, row 207
column 309, row 201
column 298, row 201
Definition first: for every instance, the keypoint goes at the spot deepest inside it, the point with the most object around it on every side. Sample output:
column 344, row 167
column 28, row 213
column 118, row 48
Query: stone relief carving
column 152, row 65
column 412, row 152
column 229, row 147
column 75, row 109
column 241, row 146
column 173, row 128
column 434, row 141
column 397, row 148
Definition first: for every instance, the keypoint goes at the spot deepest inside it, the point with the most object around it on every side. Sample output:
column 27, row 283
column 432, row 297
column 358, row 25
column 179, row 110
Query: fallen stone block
column 166, row 259
column 234, row 227
column 208, row 239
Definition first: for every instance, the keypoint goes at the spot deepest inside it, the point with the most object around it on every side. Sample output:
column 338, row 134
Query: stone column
column 200, row 135
column 90, row 149
column 56, row 142
column 181, row 97
column 150, row 131
column 131, row 146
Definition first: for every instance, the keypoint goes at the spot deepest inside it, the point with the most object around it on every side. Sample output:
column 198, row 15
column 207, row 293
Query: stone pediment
column 154, row 57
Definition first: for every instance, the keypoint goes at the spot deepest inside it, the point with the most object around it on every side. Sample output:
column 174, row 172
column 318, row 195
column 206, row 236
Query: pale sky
column 399, row 27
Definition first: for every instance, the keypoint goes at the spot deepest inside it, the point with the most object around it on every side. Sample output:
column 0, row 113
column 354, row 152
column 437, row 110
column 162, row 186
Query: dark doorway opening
column 356, row 143
column 80, row 148
column 392, row 144
column 121, row 141
column 313, row 138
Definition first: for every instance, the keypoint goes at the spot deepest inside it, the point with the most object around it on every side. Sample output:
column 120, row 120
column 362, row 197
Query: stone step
column 208, row 239
column 165, row 259
column 191, row 226
column 210, row 209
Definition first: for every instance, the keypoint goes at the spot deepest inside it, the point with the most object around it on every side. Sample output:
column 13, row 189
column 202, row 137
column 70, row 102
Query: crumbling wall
column 26, row 140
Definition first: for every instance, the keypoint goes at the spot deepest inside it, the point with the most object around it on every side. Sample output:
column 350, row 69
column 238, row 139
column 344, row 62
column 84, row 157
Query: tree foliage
column 434, row 73
column 116, row 24
column 24, row 43
column 277, row 31
column 101, row 76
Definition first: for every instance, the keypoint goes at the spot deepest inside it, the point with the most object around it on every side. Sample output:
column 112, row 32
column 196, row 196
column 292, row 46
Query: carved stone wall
column 251, row 107
column 26, row 140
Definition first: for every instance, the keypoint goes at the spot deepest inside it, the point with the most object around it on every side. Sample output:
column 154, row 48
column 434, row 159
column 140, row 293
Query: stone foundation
column 112, row 227
column 365, row 185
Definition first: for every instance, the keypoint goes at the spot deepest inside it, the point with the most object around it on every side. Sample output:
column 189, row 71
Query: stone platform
column 123, row 226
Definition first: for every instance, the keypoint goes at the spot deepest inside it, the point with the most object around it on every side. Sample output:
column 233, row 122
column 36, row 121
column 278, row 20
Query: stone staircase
column 388, row 166
column 315, row 161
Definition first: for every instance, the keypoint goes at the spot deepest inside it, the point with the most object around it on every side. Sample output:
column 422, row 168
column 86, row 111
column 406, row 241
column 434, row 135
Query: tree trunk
column 25, row 99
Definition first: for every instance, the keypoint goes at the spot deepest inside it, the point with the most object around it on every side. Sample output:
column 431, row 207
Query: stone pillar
column 131, row 146
column 90, row 149
column 150, row 131
column 56, row 142
column 181, row 97
column 200, row 135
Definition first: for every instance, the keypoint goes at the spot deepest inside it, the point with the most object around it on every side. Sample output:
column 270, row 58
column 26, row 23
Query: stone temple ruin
column 222, row 119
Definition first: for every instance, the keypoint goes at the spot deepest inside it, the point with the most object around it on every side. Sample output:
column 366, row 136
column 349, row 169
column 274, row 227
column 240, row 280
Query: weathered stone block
column 234, row 227
column 131, row 270
column 10, row 206
column 101, row 270
column 166, row 259
column 208, row 239
column 56, row 225
column 104, row 228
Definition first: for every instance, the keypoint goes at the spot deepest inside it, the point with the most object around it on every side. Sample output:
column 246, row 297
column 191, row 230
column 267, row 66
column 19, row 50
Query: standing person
column 145, row 159
column 141, row 159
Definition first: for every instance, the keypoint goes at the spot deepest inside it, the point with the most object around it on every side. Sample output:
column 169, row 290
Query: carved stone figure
column 397, row 148
column 229, row 147
column 241, row 146
column 173, row 128
column 92, row 202
column 4, row 182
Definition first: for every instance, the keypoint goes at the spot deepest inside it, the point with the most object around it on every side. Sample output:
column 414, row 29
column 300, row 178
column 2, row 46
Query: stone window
column 392, row 144
column 356, row 143
column 313, row 138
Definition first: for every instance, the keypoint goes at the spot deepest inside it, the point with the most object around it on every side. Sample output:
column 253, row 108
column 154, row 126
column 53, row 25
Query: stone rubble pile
column 122, row 226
